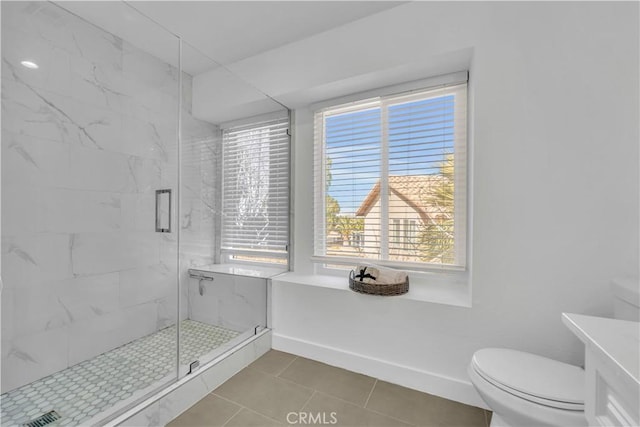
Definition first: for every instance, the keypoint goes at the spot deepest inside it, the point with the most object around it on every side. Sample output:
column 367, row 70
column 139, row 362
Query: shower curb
column 161, row 408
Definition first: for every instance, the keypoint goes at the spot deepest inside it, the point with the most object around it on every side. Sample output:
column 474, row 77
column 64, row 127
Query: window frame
column 390, row 96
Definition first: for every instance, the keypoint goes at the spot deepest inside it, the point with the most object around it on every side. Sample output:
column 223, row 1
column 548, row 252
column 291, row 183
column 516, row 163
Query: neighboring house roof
column 414, row 190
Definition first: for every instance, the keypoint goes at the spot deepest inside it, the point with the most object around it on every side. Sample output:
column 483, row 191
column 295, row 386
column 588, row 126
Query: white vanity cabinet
column 612, row 366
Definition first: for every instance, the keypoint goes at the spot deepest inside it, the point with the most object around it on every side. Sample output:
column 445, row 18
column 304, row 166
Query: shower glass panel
column 90, row 122
column 218, row 311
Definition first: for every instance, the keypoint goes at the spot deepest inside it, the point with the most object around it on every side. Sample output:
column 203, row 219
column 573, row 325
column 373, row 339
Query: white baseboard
column 406, row 376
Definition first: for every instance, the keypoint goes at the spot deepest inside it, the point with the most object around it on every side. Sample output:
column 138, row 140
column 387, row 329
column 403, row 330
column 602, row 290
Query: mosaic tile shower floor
column 82, row 391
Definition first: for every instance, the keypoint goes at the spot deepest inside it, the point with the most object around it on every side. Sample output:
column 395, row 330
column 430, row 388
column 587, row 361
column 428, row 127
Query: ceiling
column 294, row 52
column 228, row 31
column 219, row 32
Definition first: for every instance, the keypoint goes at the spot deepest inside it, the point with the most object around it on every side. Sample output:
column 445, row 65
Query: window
column 394, row 237
column 357, row 239
column 410, row 232
column 255, row 192
column 395, row 167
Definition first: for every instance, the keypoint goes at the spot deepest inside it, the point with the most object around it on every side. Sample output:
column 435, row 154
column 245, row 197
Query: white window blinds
column 255, row 189
column 390, row 180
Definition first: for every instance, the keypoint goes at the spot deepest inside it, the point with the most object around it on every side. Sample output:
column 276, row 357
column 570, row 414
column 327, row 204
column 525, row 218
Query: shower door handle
column 163, row 211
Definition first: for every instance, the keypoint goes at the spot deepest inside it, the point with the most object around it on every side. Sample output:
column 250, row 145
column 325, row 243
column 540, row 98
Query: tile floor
column 281, row 385
column 85, row 390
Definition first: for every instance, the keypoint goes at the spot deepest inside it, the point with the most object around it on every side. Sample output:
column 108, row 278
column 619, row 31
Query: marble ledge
column 238, row 270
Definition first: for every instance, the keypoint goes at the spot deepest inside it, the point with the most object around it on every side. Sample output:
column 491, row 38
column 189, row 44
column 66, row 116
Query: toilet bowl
column 526, row 390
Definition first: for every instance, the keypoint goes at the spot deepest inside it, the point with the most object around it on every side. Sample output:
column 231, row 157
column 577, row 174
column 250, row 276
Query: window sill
column 421, row 288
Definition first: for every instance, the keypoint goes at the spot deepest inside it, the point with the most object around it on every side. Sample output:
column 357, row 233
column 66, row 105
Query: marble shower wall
column 199, row 193
column 230, row 301
column 86, row 140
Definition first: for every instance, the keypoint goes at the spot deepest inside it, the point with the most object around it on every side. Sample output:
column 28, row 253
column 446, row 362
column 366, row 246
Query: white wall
column 219, row 97
column 554, row 133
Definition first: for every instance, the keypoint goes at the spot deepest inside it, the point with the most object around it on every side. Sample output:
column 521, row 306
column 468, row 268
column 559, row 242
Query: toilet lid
column 542, row 380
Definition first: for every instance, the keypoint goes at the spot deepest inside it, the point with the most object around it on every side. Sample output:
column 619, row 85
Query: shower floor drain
column 43, row 420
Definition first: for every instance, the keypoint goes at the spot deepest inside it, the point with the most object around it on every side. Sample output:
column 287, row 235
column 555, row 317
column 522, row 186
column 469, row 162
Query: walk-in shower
column 111, row 191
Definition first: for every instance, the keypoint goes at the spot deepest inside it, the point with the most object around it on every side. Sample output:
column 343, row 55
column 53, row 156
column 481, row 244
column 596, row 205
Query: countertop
column 615, row 340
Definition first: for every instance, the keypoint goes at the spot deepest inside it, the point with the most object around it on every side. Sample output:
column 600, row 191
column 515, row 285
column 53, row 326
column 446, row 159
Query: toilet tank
column 626, row 298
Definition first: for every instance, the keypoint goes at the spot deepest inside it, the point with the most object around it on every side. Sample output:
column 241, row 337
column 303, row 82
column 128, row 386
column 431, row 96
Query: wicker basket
column 375, row 289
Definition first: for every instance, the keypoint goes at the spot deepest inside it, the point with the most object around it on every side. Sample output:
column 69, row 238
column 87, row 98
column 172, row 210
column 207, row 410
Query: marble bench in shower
column 230, row 296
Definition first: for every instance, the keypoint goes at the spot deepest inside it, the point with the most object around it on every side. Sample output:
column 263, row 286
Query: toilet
column 524, row 389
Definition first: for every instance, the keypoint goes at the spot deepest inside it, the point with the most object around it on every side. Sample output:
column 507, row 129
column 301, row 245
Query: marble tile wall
column 86, row 140
column 200, row 195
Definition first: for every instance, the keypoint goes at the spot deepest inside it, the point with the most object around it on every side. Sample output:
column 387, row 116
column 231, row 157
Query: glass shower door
column 218, row 309
column 89, row 134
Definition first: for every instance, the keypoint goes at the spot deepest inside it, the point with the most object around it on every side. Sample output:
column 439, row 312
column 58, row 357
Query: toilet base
column 498, row 421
